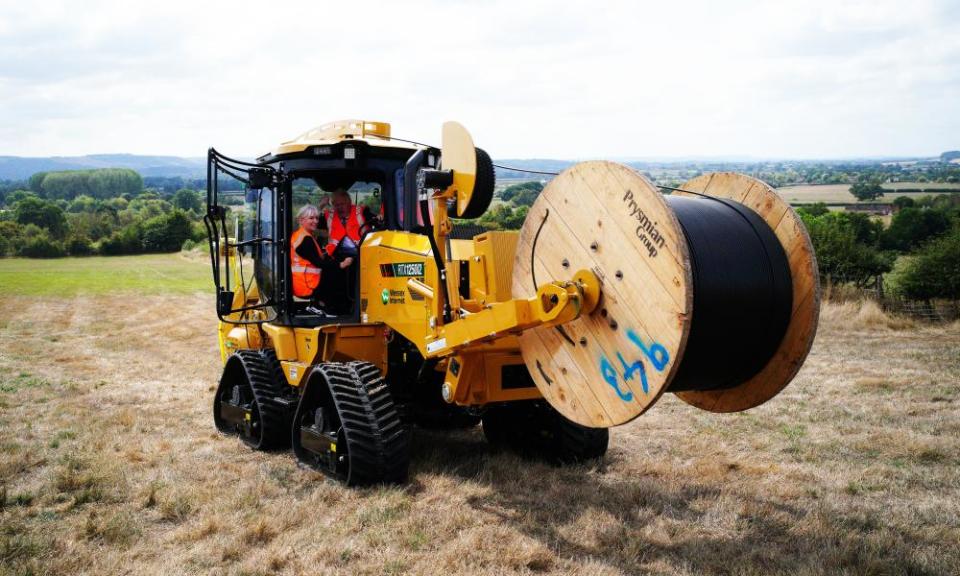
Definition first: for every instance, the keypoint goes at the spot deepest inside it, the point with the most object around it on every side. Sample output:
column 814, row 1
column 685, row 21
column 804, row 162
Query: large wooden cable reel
column 609, row 366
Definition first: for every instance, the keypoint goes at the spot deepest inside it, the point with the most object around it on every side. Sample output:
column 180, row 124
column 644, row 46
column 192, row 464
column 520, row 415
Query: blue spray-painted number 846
column 655, row 353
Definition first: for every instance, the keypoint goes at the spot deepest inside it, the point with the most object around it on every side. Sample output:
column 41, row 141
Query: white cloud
column 530, row 79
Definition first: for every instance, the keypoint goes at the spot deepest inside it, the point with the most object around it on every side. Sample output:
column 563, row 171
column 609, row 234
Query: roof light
column 349, row 153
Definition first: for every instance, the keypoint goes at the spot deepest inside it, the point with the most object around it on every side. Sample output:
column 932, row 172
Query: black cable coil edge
column 742, row 293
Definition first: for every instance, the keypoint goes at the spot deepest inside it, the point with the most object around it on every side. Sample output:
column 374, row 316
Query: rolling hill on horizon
column 21, row 168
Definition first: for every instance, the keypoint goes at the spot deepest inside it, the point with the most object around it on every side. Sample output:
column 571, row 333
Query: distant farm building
column 873, row 208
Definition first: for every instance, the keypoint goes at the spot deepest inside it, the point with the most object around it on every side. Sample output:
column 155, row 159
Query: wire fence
column 932, row 311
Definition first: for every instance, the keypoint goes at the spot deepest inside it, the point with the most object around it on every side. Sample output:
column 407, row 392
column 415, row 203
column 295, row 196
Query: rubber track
column 265, row 376
column 378, row 445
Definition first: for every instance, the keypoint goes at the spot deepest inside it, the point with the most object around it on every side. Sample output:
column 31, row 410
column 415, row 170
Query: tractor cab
column 252, row 212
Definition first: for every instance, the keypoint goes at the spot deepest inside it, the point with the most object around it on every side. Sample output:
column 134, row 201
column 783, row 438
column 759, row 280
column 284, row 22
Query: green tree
column 18, row 195
column 522, row 194
column 36, row 182
column 817, row 209
column 166, row 233
column 44, row 214
column 902, row 202
column 187, row 200
column 841, row 256
column 125, row 241
column 41, row 246
column 935, row 272
column 145, row 206
column 100, row 183
column 82, row 203
column 911, row 227
column 10, row 230
column 867, row 190
column 79, row 246
column 504, row 217
column 93, row 225
column 866, row 230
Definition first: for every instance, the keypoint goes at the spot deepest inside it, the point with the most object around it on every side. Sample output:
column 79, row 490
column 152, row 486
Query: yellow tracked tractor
column 614, row 292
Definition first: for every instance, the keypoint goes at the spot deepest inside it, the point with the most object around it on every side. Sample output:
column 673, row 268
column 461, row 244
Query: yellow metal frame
column 372, row 132
column 400, row 290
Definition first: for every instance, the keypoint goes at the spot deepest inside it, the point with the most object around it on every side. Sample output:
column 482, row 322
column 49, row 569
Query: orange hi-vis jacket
column 306, row 276
column 337, row 230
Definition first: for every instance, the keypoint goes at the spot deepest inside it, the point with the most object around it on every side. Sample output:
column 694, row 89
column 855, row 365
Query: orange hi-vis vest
column 337, row 230
column 306, row 276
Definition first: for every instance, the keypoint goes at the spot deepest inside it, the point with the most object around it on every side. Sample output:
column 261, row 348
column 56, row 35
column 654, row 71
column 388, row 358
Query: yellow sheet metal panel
column 461, row 249
column 308, row 343
column 519, row 387
column 284, row 343
column 477, row 377
column 234, row 337
column 372, row 132
column 347, row 342
column 389, row 260
column 295, row 371
column 498, row 249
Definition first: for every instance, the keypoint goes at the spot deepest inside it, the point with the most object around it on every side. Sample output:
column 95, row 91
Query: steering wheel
column 375, row 223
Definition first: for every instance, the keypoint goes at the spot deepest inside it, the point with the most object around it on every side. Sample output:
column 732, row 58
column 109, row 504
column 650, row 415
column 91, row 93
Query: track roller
column 535, row 429
column 347, row 426
column 250, row 402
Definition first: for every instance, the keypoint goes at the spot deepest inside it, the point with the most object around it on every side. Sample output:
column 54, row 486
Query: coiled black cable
column 742, row 293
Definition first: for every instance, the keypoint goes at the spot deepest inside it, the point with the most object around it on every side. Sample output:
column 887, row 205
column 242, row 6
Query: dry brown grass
column 861, row 315
column 109, row 464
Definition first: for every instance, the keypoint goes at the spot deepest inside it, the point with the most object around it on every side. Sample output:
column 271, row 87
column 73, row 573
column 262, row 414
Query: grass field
column 831, row 193
column 109, row 464
column 180, row 273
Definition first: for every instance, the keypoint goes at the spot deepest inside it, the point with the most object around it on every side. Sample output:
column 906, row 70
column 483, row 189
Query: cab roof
column 372, row 133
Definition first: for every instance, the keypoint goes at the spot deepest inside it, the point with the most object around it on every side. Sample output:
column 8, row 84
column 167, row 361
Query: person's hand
column 346, row 262
column 324, row 202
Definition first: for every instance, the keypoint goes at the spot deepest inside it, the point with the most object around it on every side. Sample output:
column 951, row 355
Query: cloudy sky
column 551, row 79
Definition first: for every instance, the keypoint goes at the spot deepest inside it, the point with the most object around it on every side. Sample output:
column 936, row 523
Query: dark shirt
column 308, row 251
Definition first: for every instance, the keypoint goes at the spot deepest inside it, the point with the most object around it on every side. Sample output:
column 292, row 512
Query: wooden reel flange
column 609, row 366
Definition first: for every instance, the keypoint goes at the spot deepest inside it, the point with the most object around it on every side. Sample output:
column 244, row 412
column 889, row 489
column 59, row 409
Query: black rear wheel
column 347, row 426
column 534, row 429
column 482, row 188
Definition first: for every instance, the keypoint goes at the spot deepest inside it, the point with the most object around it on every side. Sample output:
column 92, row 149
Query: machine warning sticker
column 401, row 269
column 436, row 345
